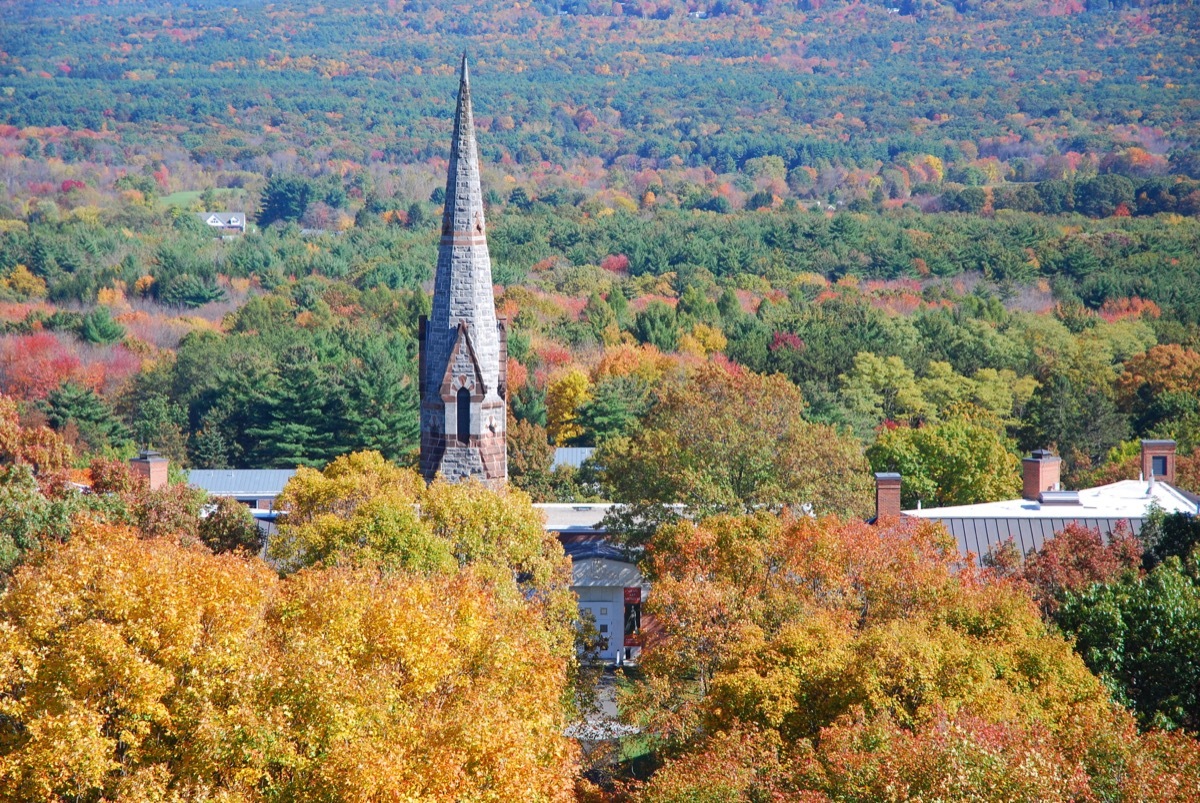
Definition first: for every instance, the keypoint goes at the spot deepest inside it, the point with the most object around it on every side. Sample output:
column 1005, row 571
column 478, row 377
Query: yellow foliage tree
column 146, row 670
column 362, row 510
column 24, row 284
column 563, row 398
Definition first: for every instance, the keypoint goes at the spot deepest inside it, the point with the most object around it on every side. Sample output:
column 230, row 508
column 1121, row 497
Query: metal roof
column 241, row 482
column 979, row 528
column 572, row 456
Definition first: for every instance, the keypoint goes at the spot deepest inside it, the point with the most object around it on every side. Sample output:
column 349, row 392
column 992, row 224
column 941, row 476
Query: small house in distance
column 224, row 223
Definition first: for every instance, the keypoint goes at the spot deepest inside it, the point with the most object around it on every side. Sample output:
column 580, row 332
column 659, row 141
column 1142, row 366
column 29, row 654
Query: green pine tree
column 99, row 327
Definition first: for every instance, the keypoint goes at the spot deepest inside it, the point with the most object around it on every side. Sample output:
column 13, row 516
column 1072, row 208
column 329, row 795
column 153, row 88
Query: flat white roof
column 574, row 517
column 1126, row 499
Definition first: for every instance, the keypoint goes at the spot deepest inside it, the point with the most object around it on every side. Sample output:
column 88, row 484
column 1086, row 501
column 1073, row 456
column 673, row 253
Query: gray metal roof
column 981, row 535
column 981, row 527
column 240, row 482
column 572, row 456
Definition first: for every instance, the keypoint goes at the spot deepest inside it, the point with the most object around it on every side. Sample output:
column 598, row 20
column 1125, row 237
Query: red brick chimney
column 1041, row 471
column 152, row 466
column 887, row 497
column 1158, row 461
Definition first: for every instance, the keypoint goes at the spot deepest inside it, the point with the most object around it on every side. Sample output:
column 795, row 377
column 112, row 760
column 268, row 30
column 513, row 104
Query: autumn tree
column 228, row 526
column 1159, row 385
column 881, row 389
column 530, row 458
column 958, row 462
column 1078, row 557
column 336, row 684
column 822, row 659
column 564, row 397
column 363, row 510
column 39, row 447
column 117, row 687
column 730, row 439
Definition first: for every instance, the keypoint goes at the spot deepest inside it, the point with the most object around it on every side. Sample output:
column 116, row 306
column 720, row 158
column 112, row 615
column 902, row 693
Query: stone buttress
column 463, row 347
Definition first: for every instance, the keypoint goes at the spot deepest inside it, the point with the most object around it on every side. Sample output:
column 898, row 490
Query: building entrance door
column 609, row 624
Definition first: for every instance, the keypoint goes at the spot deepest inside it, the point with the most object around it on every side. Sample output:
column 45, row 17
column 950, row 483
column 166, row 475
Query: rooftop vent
column 1059, row 497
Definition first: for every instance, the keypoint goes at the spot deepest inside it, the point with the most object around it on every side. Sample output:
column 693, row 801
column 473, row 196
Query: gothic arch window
column 464, row 415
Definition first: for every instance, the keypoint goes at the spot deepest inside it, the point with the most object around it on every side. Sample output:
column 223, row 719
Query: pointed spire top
column 463, row 212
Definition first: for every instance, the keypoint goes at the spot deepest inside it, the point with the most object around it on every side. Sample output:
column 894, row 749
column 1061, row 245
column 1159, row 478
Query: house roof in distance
column 227, row 220
column 572, row 456
column 241, row 482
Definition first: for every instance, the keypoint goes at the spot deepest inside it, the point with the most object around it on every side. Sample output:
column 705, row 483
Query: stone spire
column 463, row 347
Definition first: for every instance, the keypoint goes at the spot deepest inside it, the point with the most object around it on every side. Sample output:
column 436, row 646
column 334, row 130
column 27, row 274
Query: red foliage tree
column 1077, row 557
column 33, row 365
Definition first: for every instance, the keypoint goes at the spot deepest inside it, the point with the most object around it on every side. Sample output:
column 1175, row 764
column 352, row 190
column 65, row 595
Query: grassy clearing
column 189, row 197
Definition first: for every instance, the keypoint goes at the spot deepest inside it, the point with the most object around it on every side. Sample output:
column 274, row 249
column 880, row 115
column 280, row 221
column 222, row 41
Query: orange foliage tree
column 40, row 447
column 1167, row 368
column 822, row 659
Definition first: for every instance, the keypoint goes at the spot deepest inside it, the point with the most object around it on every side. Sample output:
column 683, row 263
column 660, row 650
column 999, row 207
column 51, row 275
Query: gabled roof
column 223, row 219
column 462, row 359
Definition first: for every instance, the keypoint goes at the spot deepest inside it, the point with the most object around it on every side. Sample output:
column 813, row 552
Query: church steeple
column 463, row 347
column 464, row 200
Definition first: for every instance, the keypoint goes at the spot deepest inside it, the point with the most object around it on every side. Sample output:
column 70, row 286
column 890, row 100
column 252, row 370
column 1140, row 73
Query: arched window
column 464, row 415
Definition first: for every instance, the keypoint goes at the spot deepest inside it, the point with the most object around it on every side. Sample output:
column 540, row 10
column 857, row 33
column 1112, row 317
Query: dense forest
column 918, row 215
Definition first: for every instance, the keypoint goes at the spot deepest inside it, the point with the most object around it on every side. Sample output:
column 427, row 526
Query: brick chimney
column 887, row 497
column 152, row 466
column 1041, row 471
column 1158, row 461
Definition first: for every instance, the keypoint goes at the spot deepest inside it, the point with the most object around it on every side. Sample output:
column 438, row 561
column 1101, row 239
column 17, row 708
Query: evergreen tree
column 98, row 426
column 99, row 327
column 284, row 198
column 657, row 325
column 615, row 408
column 298, row 406
column 381, row 401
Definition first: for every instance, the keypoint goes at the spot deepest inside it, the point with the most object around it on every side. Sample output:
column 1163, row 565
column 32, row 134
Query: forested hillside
column 750, row 251
column 926, row 216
